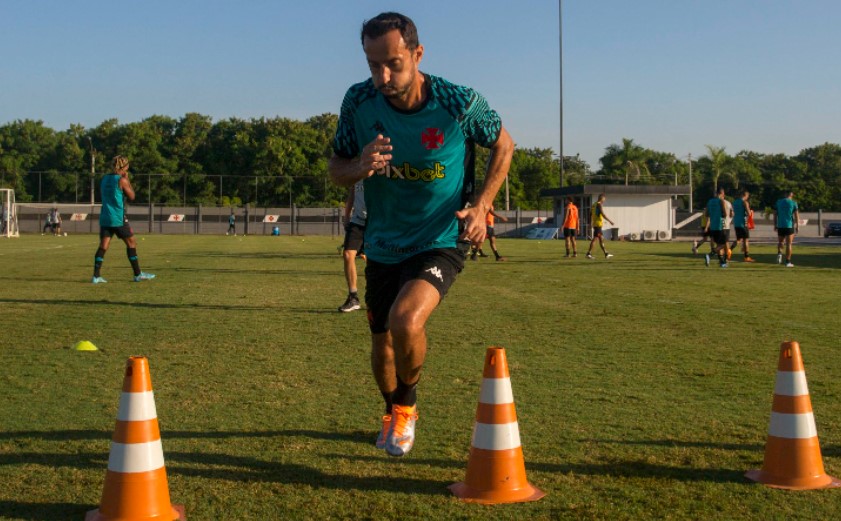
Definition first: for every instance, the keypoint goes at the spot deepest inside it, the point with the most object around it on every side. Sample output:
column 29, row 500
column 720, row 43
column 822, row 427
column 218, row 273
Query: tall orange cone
column 496, row 471
column 135, row 484
column 792, row 452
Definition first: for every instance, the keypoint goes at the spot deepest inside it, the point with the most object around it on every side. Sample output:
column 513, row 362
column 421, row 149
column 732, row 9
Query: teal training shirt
column 740, row 217
column 785, row 212
column 411, row 203
column 715, row 214
column 113, row 211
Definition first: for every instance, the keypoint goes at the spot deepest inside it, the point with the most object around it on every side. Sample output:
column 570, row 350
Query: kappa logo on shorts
column 436, row 273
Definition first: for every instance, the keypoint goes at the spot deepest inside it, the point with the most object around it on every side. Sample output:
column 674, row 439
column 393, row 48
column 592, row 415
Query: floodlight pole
column 561, row 77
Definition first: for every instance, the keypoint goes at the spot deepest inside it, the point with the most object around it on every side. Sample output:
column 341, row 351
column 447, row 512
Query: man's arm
column 125, row 185
column 375, row 156
column 499, row 216
column 601, row 207
column 499, row 161
column 796, row 216
column 707, row 218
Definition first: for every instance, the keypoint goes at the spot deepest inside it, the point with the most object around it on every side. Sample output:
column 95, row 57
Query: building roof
column 596, row 189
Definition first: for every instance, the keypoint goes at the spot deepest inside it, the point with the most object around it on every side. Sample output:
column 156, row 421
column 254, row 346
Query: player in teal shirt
column 410, row 137
column 741, row 213
column 786, row 217
column 116, row 187
column 715, row 226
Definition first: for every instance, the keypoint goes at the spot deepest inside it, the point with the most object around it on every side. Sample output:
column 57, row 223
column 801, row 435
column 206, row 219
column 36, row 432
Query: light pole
column 93, row 169
column 561, row 77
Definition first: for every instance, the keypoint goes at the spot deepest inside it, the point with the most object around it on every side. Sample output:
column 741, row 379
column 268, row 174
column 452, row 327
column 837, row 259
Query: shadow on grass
column 643, row 469
column 239, row 271
column 42, row 511
column 217, row 307
column 93, row 435
column 246, row 469
column 809, row 260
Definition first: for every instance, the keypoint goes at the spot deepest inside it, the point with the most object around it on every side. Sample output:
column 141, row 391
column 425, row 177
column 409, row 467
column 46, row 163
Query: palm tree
column 718, row 160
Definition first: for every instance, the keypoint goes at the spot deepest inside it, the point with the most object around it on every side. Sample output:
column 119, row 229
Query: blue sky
column 674, row 75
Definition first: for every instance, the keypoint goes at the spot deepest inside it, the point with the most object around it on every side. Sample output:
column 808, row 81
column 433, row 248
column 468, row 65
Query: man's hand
column 375, row 155
column 475, row 228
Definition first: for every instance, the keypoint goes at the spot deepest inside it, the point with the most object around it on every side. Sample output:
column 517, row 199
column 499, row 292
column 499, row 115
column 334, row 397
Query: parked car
column 832, row 230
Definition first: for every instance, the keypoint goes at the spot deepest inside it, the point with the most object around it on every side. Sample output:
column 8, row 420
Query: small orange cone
column 792, row 452
column 496, row 471
column 135, row 483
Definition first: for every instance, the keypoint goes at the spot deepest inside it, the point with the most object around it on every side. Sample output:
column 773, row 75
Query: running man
column 115, row 188
column 491, row 235
column 571, row 227
column 232, row 224
column 705, row 235
column 786, row 224
column 409, row 136
column 598, row 217
column 716, row 212
column 741, row 213
column 355, row 217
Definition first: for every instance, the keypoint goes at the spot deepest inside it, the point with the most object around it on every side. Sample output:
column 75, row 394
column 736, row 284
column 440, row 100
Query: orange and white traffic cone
column 792, row 452
column 496, row 470
column 135, row 484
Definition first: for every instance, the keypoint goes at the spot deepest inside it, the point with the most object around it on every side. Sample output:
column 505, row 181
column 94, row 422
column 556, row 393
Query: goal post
column 8, row 213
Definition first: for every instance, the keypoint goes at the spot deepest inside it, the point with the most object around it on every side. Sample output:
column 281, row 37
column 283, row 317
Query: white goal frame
column 8, row 213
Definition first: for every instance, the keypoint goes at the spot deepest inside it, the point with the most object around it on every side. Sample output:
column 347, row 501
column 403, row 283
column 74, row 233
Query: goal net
column 8, row 213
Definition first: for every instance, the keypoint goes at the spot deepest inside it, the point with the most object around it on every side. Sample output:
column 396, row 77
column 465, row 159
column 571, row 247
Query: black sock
column 132, row 258
column 496, row 254
column 388, row 400
column 405, row 394
column 97, row 261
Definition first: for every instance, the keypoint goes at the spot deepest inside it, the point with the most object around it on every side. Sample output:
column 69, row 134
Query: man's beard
column 391, row 92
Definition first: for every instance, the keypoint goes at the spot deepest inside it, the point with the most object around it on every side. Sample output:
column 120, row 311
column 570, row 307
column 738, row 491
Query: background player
column 355, row 217
column 491, row 236
column 115, row 188
column 786, row 224
column 598, row 218
column 571, row 227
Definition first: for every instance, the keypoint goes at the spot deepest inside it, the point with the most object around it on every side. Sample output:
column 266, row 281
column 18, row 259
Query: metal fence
column 154, row 219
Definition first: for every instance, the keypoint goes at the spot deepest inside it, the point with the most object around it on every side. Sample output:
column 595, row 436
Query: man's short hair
column 721, row 190
column 389, row 21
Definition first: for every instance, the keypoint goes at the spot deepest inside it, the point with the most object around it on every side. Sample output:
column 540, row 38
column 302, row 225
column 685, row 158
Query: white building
column 640, row 212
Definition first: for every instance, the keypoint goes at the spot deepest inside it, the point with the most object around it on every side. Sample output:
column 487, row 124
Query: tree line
column 280, row 161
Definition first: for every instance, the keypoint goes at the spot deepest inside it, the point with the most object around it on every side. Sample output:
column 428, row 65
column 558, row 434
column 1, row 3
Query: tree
column 626, row 161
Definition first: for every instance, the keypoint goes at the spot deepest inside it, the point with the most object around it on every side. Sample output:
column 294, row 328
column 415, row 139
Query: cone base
column 494, row 497
column 177, row 511
column 810, row 483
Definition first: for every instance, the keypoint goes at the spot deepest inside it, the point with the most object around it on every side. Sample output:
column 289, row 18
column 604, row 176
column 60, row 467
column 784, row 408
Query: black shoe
column 351, row 304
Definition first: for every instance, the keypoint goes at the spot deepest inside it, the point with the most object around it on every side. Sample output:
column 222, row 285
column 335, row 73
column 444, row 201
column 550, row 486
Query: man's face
column 394, row 67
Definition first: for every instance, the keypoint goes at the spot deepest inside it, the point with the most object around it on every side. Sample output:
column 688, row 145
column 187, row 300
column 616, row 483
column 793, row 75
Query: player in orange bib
column 491, row 236
column 571, row 226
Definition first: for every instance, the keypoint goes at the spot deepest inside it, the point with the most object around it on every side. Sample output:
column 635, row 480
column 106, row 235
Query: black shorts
column 354, row 237
column 490, row 232
column 785, row 232
column 123, row 232
column 384, row 281
column 742, row 233
column 718, row 237
column 569, row 232
column 597, row 231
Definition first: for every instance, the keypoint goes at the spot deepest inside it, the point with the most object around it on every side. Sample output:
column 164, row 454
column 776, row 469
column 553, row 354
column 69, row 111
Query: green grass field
column 643, row 384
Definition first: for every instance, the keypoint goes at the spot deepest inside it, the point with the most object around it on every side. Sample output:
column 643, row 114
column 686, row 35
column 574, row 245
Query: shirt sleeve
column 346, row 143
column 479, row 122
